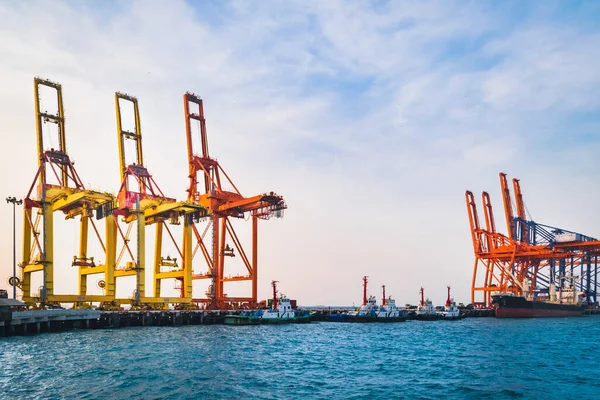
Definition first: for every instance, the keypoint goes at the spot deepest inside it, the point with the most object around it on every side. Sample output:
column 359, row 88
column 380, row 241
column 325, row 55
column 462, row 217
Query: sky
column 370, row 118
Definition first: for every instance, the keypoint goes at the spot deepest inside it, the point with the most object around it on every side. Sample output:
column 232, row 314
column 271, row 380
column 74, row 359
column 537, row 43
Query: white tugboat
column 451, row 311
column 426, row 310
column 388, row 311
column 282, row 311
column 369, row 311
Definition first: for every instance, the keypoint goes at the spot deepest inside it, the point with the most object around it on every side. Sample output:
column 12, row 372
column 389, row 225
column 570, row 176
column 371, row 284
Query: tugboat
column 281, row 312
column 451, row 311
column 388, row 312
column 566, row 303
column 426, row 311
column 369, row 311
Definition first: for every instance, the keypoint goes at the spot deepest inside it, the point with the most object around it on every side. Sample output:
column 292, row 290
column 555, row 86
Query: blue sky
column 371, row 118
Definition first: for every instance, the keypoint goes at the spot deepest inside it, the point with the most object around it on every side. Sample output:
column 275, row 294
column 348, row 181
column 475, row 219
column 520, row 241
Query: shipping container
column 565, row 237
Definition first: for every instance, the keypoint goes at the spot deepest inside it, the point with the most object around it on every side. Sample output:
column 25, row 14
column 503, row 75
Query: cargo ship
column 566, row 303
column 511, row 306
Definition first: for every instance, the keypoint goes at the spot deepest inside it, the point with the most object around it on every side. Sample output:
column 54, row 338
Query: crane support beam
column 80, row 201
column 237, row 279
column 72, row 298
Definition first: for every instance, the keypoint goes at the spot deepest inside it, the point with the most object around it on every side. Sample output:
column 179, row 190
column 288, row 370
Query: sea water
column 469, row 359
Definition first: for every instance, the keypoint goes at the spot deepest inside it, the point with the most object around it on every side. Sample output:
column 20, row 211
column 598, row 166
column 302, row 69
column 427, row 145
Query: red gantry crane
column 207, row 188
column 525, row 262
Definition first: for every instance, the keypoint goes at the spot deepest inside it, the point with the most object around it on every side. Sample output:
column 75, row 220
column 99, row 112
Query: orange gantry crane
column 533, row 259
column 57, row 188
column 140, row 200
column 208, row 189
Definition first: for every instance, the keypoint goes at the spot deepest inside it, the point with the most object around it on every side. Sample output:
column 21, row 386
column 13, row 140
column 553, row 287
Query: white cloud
column 544, row 67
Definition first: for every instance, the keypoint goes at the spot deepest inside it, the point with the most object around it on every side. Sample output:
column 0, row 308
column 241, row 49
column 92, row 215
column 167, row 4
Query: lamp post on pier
column 14, row 202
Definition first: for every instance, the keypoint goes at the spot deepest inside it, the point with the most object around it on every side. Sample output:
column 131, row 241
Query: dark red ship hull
column 518, row 307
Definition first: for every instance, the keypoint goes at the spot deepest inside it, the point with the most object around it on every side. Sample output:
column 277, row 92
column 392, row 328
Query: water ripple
column 468, row 359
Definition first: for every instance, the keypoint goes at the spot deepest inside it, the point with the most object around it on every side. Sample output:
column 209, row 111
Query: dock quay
column 58, row 320
column 26, row 322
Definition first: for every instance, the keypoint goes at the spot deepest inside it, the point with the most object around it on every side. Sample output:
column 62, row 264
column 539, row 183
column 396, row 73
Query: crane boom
column 522, row 223
column 474, row 222
column 489, row 222
column 508, row 207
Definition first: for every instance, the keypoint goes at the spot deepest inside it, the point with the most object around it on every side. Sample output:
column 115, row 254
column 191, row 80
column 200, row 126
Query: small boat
column 369, row 311
column 451, row 311
column 281, row 312
column 388, row 312
column 426, row 311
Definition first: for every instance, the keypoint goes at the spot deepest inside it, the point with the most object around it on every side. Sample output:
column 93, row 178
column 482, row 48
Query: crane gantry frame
column 60, row 189
column 223, row 205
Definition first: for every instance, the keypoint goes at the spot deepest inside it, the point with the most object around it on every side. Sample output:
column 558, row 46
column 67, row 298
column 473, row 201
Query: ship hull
column 373, row 318
column 453, row 318
column 395, row 319
column 246, row 320
column 241, row 320
column 305, row 319
column 338, row 318
column 362, row 318
column 519, row 307
column 428, row 317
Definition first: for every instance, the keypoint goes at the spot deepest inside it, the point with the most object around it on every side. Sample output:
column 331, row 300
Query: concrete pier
column 45, row 321
column 40, row 321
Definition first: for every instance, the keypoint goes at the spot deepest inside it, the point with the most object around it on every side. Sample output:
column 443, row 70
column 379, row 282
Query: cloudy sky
column 370, row 118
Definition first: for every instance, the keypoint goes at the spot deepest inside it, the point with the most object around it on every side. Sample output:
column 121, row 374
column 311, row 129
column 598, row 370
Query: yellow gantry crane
column 58, row 188
column 140, row 200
